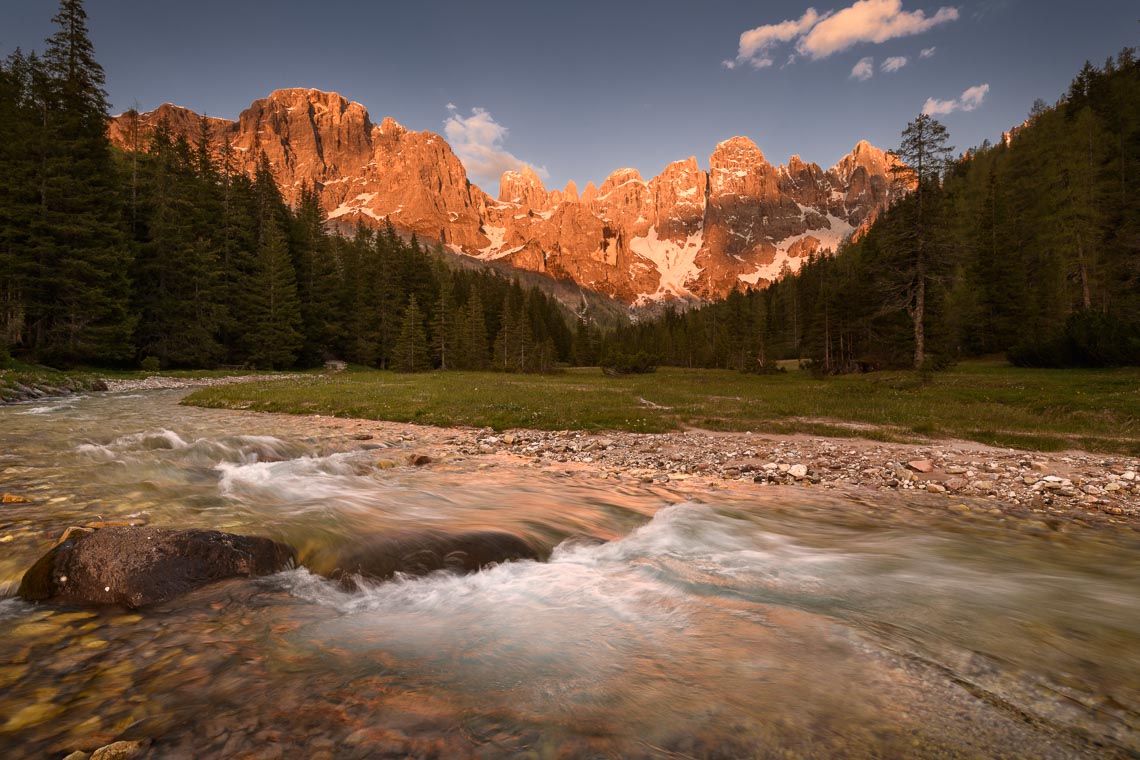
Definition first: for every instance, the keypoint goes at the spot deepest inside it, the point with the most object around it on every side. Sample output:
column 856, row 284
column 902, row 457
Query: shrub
column 616, row 363
column 150, row 364
column 1090, row 339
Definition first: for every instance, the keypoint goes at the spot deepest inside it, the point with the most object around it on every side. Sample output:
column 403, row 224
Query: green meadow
column 987, row 402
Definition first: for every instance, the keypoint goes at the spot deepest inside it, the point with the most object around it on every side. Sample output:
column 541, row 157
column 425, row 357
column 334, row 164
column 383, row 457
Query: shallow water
column 780, row 623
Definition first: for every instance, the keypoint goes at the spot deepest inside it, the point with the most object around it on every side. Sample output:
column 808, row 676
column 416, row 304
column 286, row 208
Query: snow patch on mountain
column 675, row 261
column 826, row 239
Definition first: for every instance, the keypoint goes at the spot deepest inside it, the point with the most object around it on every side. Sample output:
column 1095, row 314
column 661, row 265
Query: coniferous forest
column 166, row 253
column 1029, row 248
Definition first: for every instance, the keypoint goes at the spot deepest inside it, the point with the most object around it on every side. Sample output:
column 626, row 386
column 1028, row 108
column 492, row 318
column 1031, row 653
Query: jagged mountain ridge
column 686, row 233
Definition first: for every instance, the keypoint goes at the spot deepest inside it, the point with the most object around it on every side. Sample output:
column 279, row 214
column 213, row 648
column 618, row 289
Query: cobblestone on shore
column 164, row 382
column 1073, row 485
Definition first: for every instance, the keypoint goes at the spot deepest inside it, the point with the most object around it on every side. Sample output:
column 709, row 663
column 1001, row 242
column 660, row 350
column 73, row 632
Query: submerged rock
column 137, row 566
column 423, row 552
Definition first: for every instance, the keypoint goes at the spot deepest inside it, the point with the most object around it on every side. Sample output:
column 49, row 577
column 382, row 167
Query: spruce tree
column 472, row 346
column 924, row 154
column 445, row 325
column 80, row 283
column 274, row 336
column 19, row 201
column 411, row 350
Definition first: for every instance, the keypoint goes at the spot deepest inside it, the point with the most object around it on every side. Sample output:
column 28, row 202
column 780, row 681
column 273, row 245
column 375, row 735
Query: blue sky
column 582, row 88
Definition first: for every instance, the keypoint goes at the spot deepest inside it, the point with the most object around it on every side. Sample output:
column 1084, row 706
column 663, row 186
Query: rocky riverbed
column 1092, row 487
column 968, row 478
column 1101, row 488
column 165, row 382
column 816, row 579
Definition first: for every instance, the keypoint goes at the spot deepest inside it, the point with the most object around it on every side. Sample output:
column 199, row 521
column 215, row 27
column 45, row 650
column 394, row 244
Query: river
column 772, row 623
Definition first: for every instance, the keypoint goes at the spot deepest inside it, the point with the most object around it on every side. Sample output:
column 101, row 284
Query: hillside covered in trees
column 164, row 251
column 1029, row 247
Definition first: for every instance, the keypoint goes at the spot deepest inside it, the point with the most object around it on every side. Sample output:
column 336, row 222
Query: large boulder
column 136, row 566
column 423, row 552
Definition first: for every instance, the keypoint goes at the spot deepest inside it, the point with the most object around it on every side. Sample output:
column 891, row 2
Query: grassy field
column 1094, row 410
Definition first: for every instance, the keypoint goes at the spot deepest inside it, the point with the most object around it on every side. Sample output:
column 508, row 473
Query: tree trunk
column 1086, row 294
column 918, row 316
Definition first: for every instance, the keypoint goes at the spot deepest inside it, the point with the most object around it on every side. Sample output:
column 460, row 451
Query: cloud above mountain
column 817, row 36
column 893, row 64
column 969, row 100
column 478, row 141
column 864, row 69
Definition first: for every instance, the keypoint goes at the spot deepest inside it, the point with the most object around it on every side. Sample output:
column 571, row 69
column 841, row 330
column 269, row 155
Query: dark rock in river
column 137, row 566
column 423, row 552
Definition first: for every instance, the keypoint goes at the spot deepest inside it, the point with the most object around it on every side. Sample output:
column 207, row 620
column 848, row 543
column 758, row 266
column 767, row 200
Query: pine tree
column 472, row 345
column 445, row 325
column 316, row 276
column 924, row 154
column 19, row 201
column 274, row 336
column 79, row 308
column 411, row 350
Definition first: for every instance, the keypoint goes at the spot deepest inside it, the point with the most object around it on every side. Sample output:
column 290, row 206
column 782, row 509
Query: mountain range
column 688, row 233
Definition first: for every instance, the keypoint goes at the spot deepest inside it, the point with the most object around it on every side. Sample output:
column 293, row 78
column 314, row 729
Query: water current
column 776, row 622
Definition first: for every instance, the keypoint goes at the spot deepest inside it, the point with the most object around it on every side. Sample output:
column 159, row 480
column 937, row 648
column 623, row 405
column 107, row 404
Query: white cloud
column 927, row 52
column 478, row 141
column 819, row 35
column 864, row 70
column 893, row 64
column 973, row 97
column 452, row 107
column 756, row 44
column 868, row 21
column 968, row 101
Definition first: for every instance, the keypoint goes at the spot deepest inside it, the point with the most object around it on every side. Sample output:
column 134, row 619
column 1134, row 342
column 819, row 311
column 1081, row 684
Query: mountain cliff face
column 686, row 233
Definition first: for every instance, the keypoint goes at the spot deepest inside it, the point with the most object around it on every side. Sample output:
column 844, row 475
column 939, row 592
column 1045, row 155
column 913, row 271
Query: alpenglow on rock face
column 686, row 233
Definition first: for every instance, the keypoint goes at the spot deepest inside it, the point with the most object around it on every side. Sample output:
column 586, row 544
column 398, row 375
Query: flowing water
column 783, row 622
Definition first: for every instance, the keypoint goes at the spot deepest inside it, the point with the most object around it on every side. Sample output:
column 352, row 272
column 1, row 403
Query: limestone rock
column 524, row 188
column 685, row 234
column 423, row 552
column 138, row 566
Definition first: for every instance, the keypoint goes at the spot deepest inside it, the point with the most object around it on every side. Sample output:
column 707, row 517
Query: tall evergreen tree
column 274, row 335
column 411, row 350
column 924, row 154
column 472, row 344
column 445, row 325
column 79, row 308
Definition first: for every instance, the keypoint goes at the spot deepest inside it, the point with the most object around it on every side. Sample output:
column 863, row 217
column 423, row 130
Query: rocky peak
column 679, row 193
column 863, row 155
column 738, row 168
column 525, row 188
column 623, row 199
column 686, row 231
column 308, row 135
column 391, row 128
column 132, row 128
column 618, row 178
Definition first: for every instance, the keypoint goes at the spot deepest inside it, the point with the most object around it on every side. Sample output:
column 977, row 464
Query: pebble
column 119, row 751
column 161, row 382
column 1081, row 484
